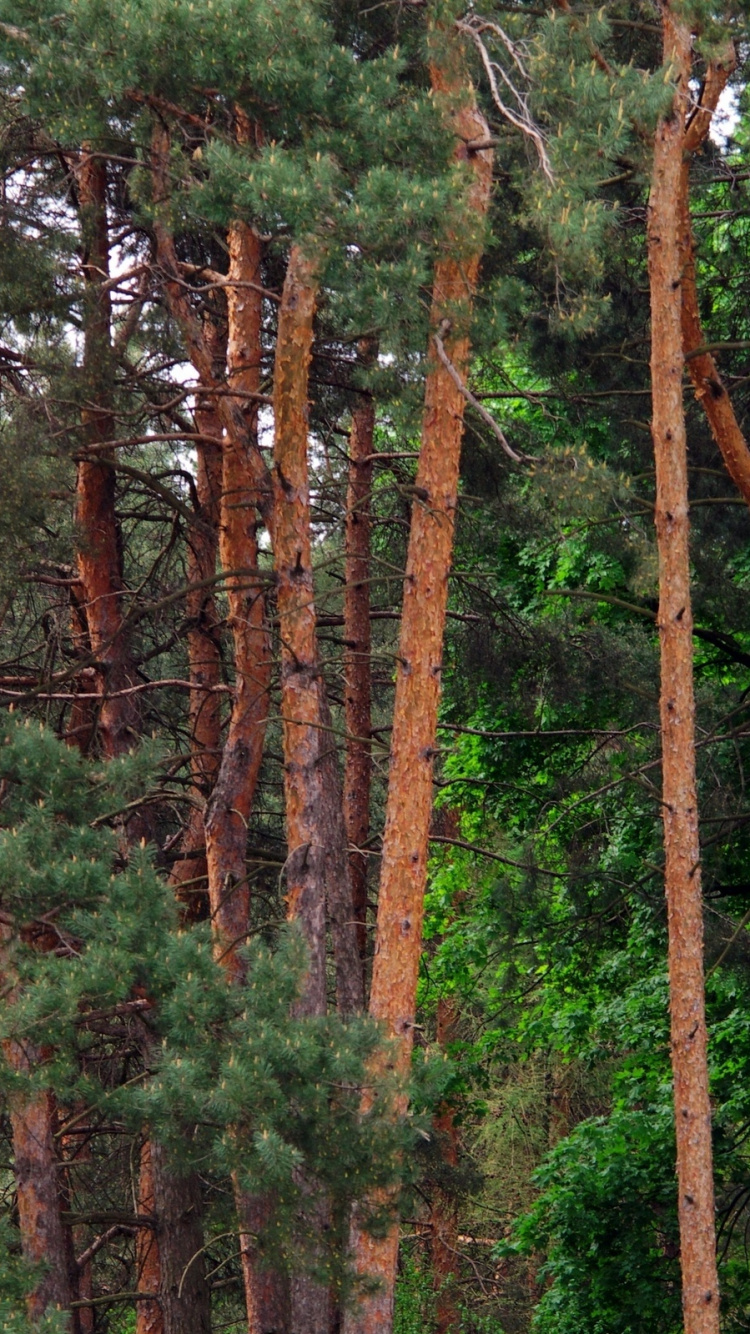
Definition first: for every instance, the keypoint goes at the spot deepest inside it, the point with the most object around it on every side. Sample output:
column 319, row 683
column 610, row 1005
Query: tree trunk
column 300, row 671
column 190, row 874
column 409, row 804
column 266, row 1299
column 316, row 833
column 149, row 1317
column 300, row 689
column 37, row 1168
column 704, row 374
column 99, row 555
column 357, row 667
column 231, row 803
column 169, row 1255
column 700, row 1292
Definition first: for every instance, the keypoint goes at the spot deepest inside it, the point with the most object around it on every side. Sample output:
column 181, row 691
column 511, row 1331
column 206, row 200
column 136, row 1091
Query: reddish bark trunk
column 266, row 1298
column 409, row 804
column 37, row 1169
column 245, row 490
column 81, row 726
column 149, row 1319
column 700, row 1291
column 357, row 670
column 229, row 411
column 231, row 803
column 189, row 873
column 99, row 556
column 709, row 389
column 300, row 687
column 317, row 865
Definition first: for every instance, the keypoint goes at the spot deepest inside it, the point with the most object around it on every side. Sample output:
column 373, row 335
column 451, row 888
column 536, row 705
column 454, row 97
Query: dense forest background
column 208, row 548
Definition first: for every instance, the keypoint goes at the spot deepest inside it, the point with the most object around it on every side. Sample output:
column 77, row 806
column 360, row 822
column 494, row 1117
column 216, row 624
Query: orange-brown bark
column 230, row 805
column 37, row 1168
column 228, row 408
column 189, row 873
column 300, row 673
column 357, row 684
column 700, row 1292
column 226, row 819
column 149, row 1319
column 97, row 618
column 245, row 492
column 409, row 803
column 81, row 725
column 317, row 865
column 99, row 558
column 709, row 388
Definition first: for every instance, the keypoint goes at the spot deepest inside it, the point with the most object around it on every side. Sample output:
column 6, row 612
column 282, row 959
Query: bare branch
column 487, row 417
column 520, row 116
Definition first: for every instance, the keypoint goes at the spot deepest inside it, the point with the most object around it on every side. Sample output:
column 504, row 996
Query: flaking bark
column 409, row 804
column 231, row 803
column 317, row 864
column 37, row 1168
column 317, row 861
column 700, row 1291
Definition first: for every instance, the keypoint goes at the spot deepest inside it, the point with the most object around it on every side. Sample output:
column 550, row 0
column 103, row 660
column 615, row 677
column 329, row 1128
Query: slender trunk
column 231, row 803
column 700, row 1292
column 228, row 409
column 350, row 988
column 316, row 838
column 149, row 1317
column 704, row 374
column 37, row 1169
column 444, row 1206
column 266, row 1298
column 81, row 726
column 245, row 490
column 96, row 612
column 99, row 554
column 300, row 671
column 300, row 692
column 317, row 864
column 357, row 667
column 409, row 803
column 170, row 1263
column 189, row 873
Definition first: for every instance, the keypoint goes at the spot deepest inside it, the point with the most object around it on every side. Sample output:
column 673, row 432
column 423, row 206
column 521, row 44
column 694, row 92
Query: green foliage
column 227, row 1077
column 16, row 1278
column 607, row 1222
